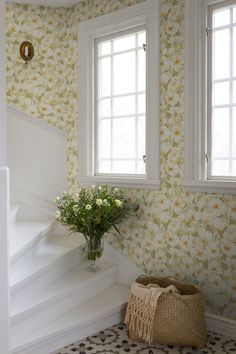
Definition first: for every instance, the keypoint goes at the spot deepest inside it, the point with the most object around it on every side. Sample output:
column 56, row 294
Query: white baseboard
column 221, row 325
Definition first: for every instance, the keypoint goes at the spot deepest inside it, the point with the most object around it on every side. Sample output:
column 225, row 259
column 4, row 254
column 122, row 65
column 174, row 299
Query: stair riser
column 34, row 209
column 47, row 346
column 30, row 249
column 59, row 307
column 37, row 281
column 13, row 215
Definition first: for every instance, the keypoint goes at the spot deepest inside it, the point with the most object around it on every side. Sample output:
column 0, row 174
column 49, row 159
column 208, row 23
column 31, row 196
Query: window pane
column 104, row 48
column 125, row 167
column 124, row 105
column 141, row 167
column 141, row 136
column 141, row 70
column 104, row 87
column 234, row 15
column 221, row 18
column 220, row 93
column 220, row 168
column 105, row 108
column 234, row 132
column 124, row 73
column 104, row 138
column 234, row 91
column 141, row 39
column 142, row 103
column 234, row 51
column 124, row 138
column 104, row 167
column 220, row 133
column 234, row 168
column 221, row 54
column 220, row 146
column 125, row 43
column 121, row 121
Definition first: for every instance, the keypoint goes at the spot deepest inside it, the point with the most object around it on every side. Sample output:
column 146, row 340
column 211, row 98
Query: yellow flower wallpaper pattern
column 188, row 235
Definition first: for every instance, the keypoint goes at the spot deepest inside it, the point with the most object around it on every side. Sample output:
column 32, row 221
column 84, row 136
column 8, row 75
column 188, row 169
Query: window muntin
column 120, row 104
column 222, row 76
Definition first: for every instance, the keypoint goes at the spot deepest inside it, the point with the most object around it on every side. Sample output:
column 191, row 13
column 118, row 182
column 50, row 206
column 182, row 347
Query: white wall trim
column 4, row 259
column 132, row 182
column 221, row 325
column 4, row 195
column 36, row 121
column 146, row 12
column 210, row 186
column 195, row 178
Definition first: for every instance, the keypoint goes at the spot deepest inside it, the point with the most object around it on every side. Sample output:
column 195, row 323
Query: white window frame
column 143, row 14
column 196, row 93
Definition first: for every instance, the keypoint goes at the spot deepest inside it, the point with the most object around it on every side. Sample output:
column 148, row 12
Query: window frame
column 197, row 93
column 144, row 14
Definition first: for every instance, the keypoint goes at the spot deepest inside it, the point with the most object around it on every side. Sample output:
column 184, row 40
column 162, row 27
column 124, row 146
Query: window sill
column 127, row 182
column 221, row 187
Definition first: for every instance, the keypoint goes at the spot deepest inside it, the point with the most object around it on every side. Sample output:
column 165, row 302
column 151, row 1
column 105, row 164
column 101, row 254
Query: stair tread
column 24, row 233
column 44, row 256
column 88, row 312
column 63, row 286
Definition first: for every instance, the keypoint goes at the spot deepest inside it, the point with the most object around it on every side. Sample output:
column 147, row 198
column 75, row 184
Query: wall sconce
column 26, row 51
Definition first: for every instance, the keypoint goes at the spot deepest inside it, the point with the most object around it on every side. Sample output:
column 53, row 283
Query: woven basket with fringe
column 179, row 318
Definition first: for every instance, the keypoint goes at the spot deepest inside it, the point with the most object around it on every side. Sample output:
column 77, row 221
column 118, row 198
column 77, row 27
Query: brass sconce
column 26, row 51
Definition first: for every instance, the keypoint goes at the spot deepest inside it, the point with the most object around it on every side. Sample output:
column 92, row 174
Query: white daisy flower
column 99, row 202
column 118, row 202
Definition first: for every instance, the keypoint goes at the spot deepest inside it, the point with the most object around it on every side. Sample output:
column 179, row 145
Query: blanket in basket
column 140, row 313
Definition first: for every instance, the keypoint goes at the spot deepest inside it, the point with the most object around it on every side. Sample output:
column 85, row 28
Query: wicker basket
column 179, row 318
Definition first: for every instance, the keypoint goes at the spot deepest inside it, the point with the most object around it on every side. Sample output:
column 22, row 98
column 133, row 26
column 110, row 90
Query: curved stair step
column 100, row 312
column 58, row 253
column 24, row 235
column 79, row 282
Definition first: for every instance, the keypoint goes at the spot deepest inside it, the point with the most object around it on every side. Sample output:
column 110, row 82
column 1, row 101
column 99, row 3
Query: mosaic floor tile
column 115, row 340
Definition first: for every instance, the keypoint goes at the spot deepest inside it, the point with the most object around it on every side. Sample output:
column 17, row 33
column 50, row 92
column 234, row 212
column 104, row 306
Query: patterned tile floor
column 115, row 340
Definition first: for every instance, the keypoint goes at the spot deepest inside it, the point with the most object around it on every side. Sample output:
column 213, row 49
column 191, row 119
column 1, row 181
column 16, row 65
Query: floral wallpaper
column 189, row 235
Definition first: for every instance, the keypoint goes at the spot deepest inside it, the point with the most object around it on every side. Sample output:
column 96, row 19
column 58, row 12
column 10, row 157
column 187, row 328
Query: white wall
column 36, row 156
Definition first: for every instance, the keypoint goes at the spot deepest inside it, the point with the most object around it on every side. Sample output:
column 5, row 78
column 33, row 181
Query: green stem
column 94, row 250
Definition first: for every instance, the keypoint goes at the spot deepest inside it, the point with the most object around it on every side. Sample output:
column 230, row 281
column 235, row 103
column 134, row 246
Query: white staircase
column 54, row 299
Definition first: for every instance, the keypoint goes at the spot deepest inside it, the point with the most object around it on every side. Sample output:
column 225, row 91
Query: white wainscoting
column 36, row 153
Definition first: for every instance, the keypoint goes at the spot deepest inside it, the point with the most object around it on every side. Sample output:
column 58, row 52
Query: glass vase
column 93, row 251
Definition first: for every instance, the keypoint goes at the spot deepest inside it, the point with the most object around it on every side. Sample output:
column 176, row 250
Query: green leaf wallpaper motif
column 189, row 235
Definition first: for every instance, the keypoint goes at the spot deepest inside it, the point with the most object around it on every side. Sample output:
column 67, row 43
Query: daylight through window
column 120, row 94
column 222, row 56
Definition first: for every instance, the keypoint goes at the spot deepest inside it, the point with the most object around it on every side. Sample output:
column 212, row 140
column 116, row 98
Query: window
column 121, row 103
column 222, row 77
column 119, row 97
column 210, row 80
